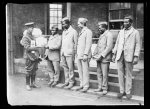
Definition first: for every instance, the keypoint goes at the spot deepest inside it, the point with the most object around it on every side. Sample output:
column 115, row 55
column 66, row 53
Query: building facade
column 47, row 14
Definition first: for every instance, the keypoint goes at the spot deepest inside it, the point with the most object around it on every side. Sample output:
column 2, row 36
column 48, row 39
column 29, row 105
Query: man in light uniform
column 126, row 52
column 84, row 54
column 68, row 51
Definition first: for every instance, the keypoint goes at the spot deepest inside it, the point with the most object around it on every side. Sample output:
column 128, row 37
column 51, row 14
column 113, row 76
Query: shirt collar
column 128, row 28
column 83, row 29
column 70, row 27
column 104, row 33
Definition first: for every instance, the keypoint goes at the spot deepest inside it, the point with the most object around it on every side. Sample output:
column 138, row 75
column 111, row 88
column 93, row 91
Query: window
column 55, row 15
column 116, row 14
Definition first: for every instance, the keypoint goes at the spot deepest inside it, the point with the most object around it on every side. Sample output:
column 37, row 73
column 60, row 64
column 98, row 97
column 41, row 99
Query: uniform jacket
column 54, row 45
column 26, row 42
column 130, row 45
column 104, row 46
column 84, row 43
column 69, row 42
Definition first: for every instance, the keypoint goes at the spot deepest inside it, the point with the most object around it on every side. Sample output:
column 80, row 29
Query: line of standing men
column 126, row 51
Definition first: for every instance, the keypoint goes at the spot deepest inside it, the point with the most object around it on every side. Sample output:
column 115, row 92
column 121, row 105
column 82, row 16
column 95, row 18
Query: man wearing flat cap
column 126, row 53
column 68, row 51
column 30, row 56
column 103, row 55
column 84, row 54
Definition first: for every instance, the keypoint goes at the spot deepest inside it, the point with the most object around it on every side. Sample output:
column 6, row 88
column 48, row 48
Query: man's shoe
column 78, row 88
column 34, row 85
column 64, row 85
column 129, row 96
column 69, row 86
column 98, row 90
column 120, row 95
column 28, row 87
column 105, row 92
column 54, row 84
column 84, row 89
column 50, row 83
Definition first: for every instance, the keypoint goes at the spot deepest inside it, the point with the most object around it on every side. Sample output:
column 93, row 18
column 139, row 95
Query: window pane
column 59, row 6
column 53, row 13
column 53, row 5
column 126, row 5
column 59, row 13
column 114, row 15
column 125, row 12
column 53, row 19
column 59, row 26
column 50, row 26
column 140, row 15
column 59, row 19
column 114, row 5
column 116, row 25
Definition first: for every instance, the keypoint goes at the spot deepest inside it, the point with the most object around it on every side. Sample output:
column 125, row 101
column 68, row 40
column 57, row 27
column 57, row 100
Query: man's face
column 65, row 25
column 101, row 29
column 54, row 31
column 126, row 23
column 80, row 25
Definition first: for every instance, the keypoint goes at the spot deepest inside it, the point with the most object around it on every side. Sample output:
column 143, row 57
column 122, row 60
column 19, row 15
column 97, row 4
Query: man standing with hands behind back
column 103, row 55
column 126, row 52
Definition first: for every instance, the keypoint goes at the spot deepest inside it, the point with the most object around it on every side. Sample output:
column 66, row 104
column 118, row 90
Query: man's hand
column 85, row 57
column 100, row 58
column 135, row 60
column 113, row 58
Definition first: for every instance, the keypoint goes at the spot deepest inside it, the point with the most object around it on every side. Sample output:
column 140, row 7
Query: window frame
column 116, row 20
column 57, row 16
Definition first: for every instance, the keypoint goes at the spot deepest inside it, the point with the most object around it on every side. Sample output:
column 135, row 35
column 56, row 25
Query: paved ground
column 17, row 95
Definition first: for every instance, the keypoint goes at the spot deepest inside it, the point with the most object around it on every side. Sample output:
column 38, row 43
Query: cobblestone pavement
column 18, row 95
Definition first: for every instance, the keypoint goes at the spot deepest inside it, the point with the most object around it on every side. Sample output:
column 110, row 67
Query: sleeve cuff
column 103, row 55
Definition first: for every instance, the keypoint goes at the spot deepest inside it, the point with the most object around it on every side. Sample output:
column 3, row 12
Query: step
column 95, row 81
column 110, row 75
column 109, row 94
column 138, row 76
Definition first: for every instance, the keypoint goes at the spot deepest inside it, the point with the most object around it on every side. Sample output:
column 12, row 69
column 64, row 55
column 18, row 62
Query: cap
column 83, row 20
column 65, row 19
column 29, row 24
column 101, row 23
column 54, row 27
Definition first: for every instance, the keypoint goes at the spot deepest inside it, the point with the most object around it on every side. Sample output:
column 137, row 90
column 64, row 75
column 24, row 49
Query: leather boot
column 33, row 84
column 28, row 82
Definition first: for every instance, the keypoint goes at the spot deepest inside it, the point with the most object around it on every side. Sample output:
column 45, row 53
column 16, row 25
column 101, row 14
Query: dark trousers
column 31, row 68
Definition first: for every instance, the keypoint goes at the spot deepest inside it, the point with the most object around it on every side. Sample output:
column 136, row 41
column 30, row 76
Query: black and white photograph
column 73, row 54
